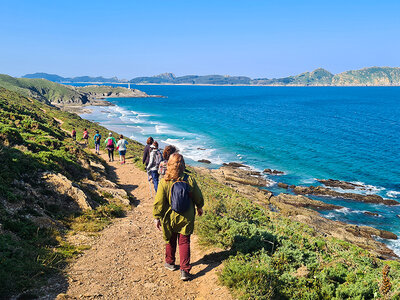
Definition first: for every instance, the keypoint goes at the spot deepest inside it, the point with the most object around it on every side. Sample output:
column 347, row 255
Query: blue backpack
column 180, row 196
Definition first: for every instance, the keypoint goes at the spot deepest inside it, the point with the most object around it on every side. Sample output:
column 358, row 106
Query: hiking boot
column 185, row 276
column 170, row 267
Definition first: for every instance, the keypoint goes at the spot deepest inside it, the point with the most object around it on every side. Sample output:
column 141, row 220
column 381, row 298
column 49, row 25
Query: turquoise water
column 345, row 133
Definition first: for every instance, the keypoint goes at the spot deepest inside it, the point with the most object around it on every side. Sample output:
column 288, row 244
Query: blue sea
column 345, row 133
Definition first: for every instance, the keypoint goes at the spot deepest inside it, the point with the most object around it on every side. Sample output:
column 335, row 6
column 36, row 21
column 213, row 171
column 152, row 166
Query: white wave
column 392, row 244
column 393, row 194
column 331, row 215
column 368, row 188
column 140, row 114
column 344, row 210
column 307, row 180
column 190, row 149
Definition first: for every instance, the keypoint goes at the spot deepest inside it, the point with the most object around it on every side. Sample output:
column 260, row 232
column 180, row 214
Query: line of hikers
column 177, row 199
column 110, row 144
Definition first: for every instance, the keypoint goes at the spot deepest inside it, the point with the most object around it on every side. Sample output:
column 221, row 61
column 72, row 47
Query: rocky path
column 126, row 262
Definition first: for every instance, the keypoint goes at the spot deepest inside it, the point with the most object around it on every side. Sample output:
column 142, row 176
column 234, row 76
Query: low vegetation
column 271, row 257
column 35, row 218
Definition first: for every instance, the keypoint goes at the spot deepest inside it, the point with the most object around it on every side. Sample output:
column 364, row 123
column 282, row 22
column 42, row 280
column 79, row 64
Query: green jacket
column 172, row 221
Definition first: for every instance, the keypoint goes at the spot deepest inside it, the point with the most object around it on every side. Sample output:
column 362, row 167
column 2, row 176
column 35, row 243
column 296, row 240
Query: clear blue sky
column 141, row 38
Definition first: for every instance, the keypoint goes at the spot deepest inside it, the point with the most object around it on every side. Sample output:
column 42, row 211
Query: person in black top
column 146, row 153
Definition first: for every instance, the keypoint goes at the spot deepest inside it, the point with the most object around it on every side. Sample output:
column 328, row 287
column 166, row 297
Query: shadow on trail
column 211, row 261
column 241, row 244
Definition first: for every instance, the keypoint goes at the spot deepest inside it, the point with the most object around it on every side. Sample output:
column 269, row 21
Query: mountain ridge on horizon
column 369, row 76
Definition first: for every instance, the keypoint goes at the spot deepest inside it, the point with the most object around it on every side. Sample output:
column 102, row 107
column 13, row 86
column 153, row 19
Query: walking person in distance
column 174, row 210
column 85, row 136
column 111, row 143
column 154, row 162
column 73, row 134
column 121, row 147
column 97, row 140
column 146, row 152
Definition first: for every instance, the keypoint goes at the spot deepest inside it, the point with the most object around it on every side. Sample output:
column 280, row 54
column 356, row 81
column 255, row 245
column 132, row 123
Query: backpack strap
column 185, row 178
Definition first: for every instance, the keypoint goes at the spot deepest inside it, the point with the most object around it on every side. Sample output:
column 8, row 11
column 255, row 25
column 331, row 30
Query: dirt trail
column 126, row 262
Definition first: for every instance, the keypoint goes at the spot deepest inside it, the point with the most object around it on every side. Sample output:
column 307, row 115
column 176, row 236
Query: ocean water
column 345, row 133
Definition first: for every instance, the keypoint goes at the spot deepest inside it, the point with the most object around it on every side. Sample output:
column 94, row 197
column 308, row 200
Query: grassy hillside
column 57, row 78
column 270, row 257
column 369, row 76
column 54, row 93
column 49, row 187
column 43, row 90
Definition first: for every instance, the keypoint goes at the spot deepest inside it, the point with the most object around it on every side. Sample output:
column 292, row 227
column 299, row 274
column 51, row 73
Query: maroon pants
column 184, row 251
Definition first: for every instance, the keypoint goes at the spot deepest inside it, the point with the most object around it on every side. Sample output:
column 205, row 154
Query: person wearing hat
column 111, row 143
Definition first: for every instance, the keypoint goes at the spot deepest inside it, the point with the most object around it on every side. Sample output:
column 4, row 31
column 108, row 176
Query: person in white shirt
column 121, row 146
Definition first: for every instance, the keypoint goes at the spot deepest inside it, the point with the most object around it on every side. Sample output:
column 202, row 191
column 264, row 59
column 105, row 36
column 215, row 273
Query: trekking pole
column 151, row 191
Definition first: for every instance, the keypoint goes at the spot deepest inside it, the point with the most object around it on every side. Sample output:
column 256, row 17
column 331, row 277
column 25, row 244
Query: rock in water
column 204, row 161
column 283, row 185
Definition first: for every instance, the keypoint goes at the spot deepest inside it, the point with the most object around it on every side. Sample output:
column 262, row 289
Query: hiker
column 121, row 147
column 162, row 168
column 174, row 212
column 73, row 134
column 86, row 136
column 146, row 152
column 154, row 161
column 97, row 139
column 110, row 146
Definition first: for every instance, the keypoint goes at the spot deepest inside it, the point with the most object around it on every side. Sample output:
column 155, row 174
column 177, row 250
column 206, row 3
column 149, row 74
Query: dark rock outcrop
column 283, row 185
column 234, row 165
column 340, row 184
column 321, row 191
column 273, row 172
column 204, row 161
column 371, row 214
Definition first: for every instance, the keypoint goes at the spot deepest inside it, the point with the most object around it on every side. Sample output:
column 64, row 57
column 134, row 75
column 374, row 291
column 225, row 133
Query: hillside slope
column 50, row 186
column 58, row 94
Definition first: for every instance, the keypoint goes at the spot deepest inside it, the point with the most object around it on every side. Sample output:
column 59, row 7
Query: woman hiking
column 146, row 152
column 121, row 147
column 73, row 134
column 85, row 136
column 97, row 139
column 111, row 143
column 177, row 198
column 162, row 168
column 154, row 161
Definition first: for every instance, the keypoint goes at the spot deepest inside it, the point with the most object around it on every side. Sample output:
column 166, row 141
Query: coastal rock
column 64, row 186
column 340, row 184
column 244, row 176
column 204, row 161
column 321, row 191
column 371, row 214
column 283, row 185
column 302, row 201
column 234, row 165
column 259, row 195
column 273, row 172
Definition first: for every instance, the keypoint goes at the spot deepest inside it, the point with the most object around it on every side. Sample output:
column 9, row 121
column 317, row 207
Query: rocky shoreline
column 305, row 210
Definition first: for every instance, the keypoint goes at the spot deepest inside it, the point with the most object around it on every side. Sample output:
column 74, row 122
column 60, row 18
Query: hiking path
column 127, row 259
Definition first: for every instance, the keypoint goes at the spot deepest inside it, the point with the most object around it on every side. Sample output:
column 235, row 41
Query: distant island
column 373, row 76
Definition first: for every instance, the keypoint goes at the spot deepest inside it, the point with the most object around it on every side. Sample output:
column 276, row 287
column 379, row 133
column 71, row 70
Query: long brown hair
column 175, row 167
column 168, row 151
